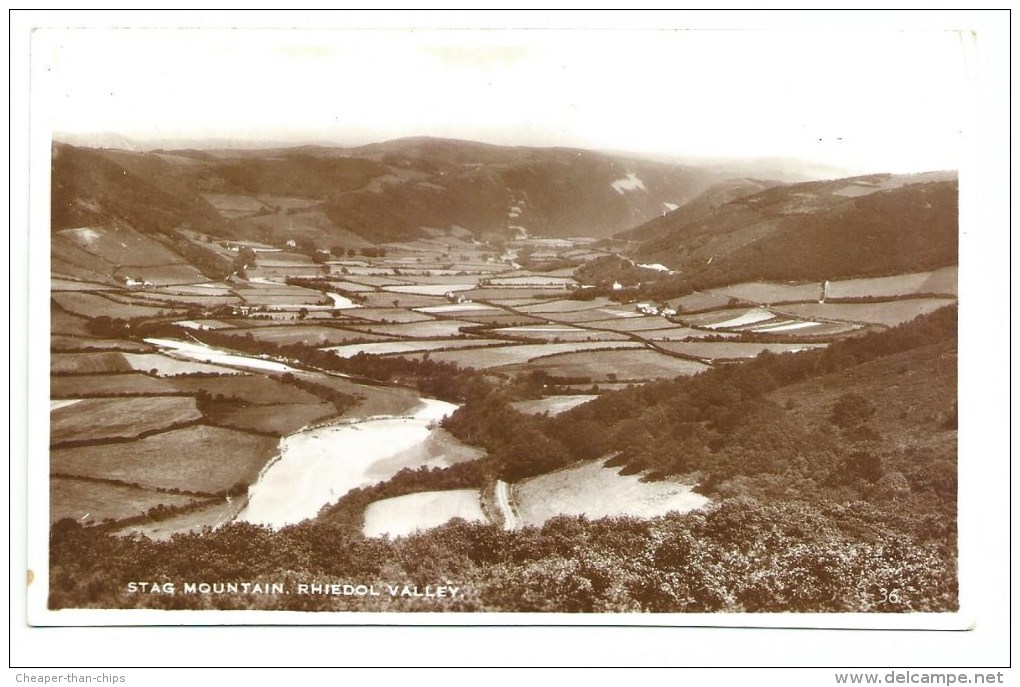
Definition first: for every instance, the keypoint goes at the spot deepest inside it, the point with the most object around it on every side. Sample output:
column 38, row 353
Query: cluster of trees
column 738, row 556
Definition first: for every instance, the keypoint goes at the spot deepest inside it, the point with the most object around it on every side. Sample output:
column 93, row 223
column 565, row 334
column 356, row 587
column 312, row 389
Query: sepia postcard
column 442, row 326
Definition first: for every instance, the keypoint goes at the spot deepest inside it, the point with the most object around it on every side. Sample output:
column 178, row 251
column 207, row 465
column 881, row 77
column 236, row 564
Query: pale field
column 594, row 491
column 554, row 405
column 404, row 515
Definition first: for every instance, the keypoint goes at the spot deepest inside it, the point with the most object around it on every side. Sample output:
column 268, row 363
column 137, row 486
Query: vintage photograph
column 562, row 324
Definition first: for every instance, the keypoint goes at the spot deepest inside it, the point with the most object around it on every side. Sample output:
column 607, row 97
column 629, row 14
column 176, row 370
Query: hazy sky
column 878, row 100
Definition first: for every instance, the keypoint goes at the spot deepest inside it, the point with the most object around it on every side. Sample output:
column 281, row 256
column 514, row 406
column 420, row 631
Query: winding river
column 318, row 466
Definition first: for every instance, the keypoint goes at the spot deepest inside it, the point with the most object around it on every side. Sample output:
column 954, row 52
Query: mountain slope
column 861, row 226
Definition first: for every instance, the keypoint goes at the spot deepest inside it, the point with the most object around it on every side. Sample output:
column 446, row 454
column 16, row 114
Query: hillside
column 380, row 192
column 705, row 203
column 862, row 226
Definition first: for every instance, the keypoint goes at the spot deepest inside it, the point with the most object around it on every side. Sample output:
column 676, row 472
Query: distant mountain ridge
column 379, row 192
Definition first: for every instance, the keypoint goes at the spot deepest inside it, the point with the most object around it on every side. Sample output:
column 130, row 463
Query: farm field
column 185, row 351
column 508, row 320
column 729, row 318
column 433, row 329
column 430, row 289
column 630, row 324
column 888, row 313
column 677, row 333
column 166, row 366
column 533, row 280
column 278, row 419
column 89, row 501
column 563, row 305
column 88, row 363
column 311, row 334
column 403, row 515
column 197, row 459
column 558, row 332
column 104, row 419
column 698, row 301
column 59, row 284
column 128, row 383
column 941, row 281
column 600, row 366
column 249, row 388
column 594, row 491
column 81, row 343
column 203, row 289
column 388, row 347
column 554, row 405
column 158, row 299
column 390, row 315
column 385, row 299
column 460, row 309
column 490, row 294
column 730, row 350
column 94, row 304
column 499, row 356
column 765, row 292
column 63, row 322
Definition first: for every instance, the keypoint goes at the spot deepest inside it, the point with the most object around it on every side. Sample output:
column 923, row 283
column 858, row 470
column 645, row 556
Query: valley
column 247, row 341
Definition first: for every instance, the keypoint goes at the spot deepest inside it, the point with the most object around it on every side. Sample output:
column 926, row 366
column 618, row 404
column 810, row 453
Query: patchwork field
column 599, row 366
column 105, row 419
column 95, row 305
column 128, row 383
column 198, row 459
column 388, row 315
column 385, row 299
column 557, row 333
column 499, row 356
column 389, row 347
column 594, row 491
column 311, row 334
column 630, row 324
column 248, row 388
column 888, row 313
column 566, row 305
column 277, row 419
column 430, row 289
column 677, row 333
column 88, row 363
column 730, row 318
column 403, row 515
column 418, row 330
column 90, row 501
